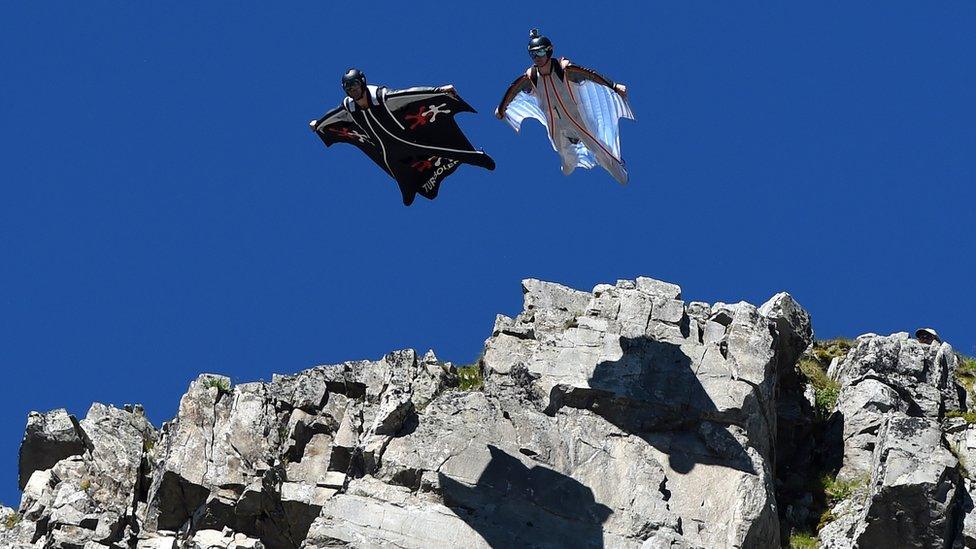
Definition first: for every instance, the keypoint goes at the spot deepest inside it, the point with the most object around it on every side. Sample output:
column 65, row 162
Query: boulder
column 88, row 499
column 885, row 375
column 48, row 438
column 894, row 396
column 913, row 494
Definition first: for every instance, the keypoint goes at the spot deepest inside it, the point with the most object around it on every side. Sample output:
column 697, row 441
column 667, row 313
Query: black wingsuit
column 411, row 134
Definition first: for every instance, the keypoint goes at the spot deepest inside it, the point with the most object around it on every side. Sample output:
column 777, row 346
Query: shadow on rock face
column 512, row 505
column 652, row 392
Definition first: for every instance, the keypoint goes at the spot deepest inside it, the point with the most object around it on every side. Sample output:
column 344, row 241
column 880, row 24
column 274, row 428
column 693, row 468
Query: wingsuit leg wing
column 408, row 192
column 423, row 175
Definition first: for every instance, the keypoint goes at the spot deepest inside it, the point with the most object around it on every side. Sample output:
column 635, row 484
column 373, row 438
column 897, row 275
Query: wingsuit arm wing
column 521, row 84
column 338, row 126
column 579, row 73
column 426, row 117
column 396, row 100
column 332, row 118
column 520, row 103
column 600, row 105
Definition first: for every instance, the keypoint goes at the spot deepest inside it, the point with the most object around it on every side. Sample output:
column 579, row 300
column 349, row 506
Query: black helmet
column 353, row 76
column 539, row 45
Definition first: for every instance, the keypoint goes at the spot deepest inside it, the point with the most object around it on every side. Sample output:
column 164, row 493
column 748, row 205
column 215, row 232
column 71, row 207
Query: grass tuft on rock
column 11, row 521
column 966, row 373
column 803, row 540
column 221, row 384
column 970, row 417
column 826, row 518
column 829, row 349
column 470, row 378
column 815, row 371
column 836, row 490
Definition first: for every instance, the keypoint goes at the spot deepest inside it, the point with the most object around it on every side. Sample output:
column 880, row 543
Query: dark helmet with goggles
column 352, row 78
column 539, row 46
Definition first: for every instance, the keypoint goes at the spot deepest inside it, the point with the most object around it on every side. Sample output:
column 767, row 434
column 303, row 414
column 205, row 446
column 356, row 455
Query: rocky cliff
column 621, row 417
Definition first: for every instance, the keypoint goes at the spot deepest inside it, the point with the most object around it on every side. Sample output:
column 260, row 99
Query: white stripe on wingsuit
column 418, row 144
column 382, row 148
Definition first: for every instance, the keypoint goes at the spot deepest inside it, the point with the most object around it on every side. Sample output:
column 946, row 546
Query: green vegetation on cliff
column 814, row 366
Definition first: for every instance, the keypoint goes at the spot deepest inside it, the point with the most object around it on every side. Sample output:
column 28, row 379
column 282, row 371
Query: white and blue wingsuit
column 580, row 109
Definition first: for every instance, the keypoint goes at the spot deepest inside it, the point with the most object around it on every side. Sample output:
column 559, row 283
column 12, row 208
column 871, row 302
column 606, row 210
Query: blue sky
column 167, row 212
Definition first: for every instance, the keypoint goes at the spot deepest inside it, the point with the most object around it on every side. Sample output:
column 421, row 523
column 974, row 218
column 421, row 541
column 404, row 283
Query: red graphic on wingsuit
column 431, row 162
column 422, row 165
column 345, row 132
column 420, row 117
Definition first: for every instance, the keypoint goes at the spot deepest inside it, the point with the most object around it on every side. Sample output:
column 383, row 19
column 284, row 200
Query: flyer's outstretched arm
column 519, row 103
column 338, row 126
column 578, row 74
column 521, row 84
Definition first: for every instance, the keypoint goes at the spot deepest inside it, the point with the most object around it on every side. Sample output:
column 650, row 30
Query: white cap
column 928, row 331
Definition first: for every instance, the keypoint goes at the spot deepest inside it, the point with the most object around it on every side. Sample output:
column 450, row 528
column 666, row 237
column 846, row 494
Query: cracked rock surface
column 896, row 446
column 620, row 417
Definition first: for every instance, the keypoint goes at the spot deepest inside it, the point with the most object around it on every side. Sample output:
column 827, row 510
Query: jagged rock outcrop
column 262, row 458
column 882, row 376
column 685, row 390
column 961, row 437
column 621, row 417
column 894, row 396
column 87, row 498
column 48, row 439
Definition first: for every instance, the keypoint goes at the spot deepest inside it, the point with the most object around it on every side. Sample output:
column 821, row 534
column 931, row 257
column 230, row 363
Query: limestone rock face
column 624, row 417
column 87, row 498
column 261, row 459
column 898, row 447
column 220, row 441
column 621, row 417
column 889, row 375
column 223, row 539
column 13, row 530
column 915, row 488
column 629, row 374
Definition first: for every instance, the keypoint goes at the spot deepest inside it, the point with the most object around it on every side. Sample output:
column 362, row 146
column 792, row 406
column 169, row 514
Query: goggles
column 351, row 85
column 540, row 52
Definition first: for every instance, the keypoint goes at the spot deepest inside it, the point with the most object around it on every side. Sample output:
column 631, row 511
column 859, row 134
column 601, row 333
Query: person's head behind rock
column 927, row 336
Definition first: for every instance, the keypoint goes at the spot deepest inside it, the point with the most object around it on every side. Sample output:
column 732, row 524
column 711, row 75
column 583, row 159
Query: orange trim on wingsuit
column 552, row 124
column 581, row 128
